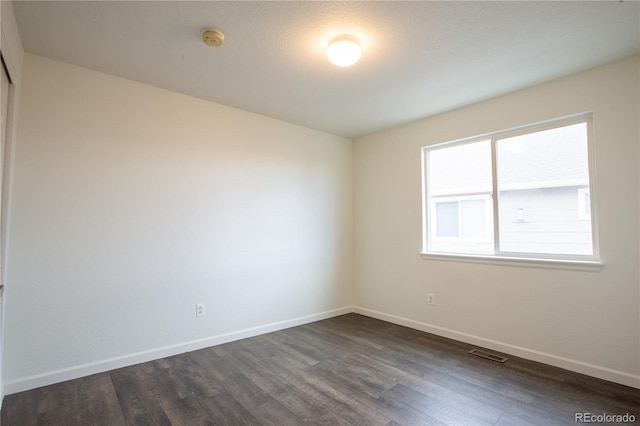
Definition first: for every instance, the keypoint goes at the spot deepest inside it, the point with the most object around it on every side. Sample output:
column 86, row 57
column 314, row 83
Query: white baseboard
column 568, row 364
column 48, row 378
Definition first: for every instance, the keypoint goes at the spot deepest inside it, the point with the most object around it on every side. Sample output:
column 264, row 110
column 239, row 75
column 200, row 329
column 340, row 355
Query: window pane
column 474, row 221
column 447, row 219
column 460, row 187
column 540, row 173
column 461, row 169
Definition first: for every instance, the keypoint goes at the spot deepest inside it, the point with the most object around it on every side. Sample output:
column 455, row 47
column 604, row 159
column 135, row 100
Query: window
column 463, row 219
column 522, row 193
column 461, row 222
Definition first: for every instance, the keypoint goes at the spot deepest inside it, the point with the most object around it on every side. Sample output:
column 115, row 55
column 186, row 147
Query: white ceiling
column 419, row 58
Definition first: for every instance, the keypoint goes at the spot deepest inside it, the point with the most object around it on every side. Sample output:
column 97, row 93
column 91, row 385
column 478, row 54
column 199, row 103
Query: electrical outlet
column 199, row 309
column 430, row 299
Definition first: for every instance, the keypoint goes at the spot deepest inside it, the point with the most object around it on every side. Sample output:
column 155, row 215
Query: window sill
column 525, row 262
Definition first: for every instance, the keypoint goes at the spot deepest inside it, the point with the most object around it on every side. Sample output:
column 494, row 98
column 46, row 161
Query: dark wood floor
column 348, row 370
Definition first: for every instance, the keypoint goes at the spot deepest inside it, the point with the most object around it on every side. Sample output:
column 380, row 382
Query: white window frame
column 562, row 261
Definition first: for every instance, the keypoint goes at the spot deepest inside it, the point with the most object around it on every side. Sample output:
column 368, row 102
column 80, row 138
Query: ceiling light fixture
column 344, row 50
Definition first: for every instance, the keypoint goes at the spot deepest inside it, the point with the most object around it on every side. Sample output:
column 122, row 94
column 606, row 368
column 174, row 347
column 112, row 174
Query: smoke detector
column 212, row 37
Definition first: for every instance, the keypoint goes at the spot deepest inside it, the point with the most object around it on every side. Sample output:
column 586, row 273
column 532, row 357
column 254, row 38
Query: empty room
column 342, row 212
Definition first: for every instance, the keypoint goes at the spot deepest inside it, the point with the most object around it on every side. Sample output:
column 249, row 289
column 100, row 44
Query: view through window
column 523, row 193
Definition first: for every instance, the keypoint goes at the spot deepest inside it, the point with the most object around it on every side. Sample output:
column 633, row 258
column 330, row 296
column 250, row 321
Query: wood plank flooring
column 348, row 370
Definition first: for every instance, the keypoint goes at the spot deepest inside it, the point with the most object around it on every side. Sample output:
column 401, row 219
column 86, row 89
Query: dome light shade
column 344, row 50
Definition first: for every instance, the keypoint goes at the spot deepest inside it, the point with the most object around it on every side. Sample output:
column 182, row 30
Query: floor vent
column 488, row 355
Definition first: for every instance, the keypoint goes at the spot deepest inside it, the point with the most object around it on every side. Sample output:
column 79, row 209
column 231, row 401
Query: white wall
column 132, row 204
column 585, row 321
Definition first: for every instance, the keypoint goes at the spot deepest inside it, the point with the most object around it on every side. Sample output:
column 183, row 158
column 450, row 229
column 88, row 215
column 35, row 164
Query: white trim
column 51, row 377
column 529, row 262
column 595, row 238
column 592, row 370
column 10, row 43
column 12, row 54
column 426, row 196
column 515, row 131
